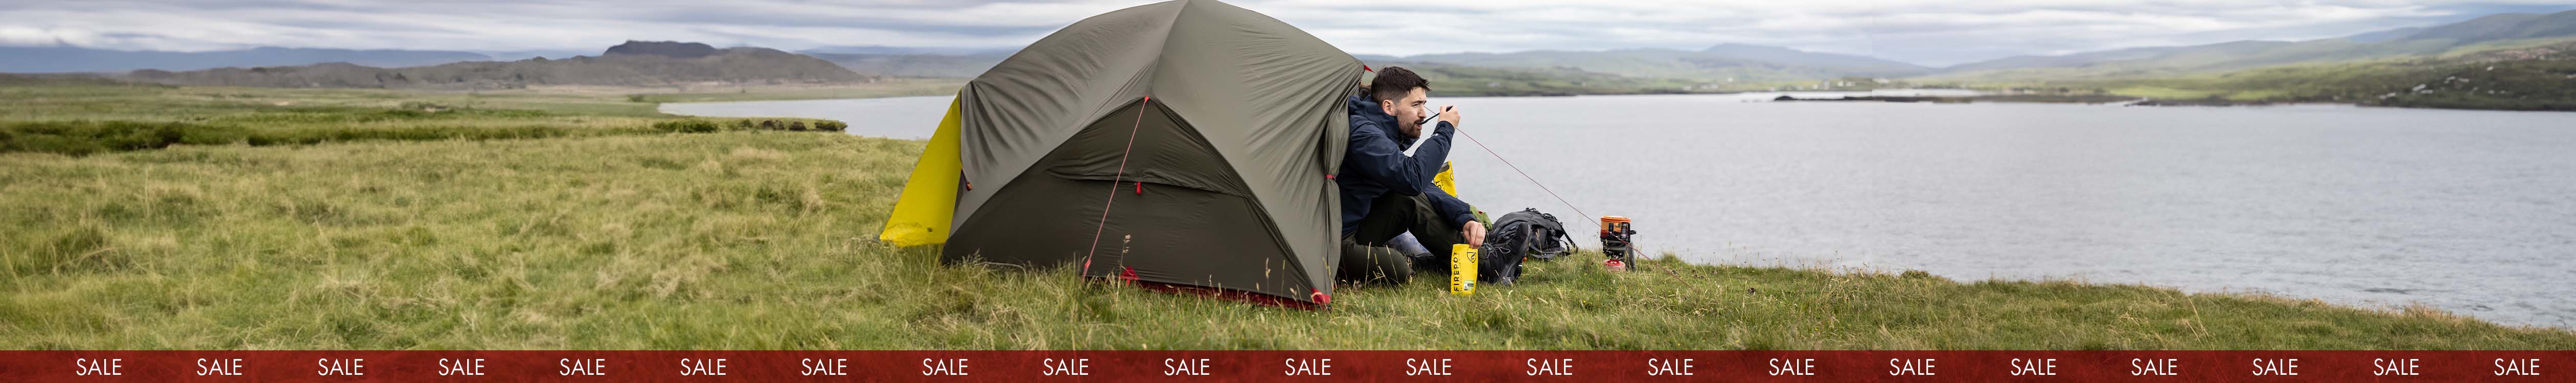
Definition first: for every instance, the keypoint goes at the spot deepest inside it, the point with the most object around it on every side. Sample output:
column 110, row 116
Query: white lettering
column 1308, row 366
column 1173, row 367
column 582, row 367
column 338, row 367
column 702, row 366
column 1792, row 366
column 1909, row 367
column 818, row 367
column 2517, row 367
column 931, row 366
column 460, row 367
column 2034, row 367
column 2276, row 366
column 2141, row 367
column 98, row 366
column 1426, row 367
column 1662, row 367
column 1550, row 366
column 2386, row 367
column 218, row 366
column 1075, row 367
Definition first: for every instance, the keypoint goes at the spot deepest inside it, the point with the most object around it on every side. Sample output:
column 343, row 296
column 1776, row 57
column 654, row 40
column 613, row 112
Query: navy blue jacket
column 1375, row 164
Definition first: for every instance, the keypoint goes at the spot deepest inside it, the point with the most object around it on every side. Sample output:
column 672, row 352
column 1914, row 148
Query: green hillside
column 2483, row 32
column 2541, row 77
column 635, row 63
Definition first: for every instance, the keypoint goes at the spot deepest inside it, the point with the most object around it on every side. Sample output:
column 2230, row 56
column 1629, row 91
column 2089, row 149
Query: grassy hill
column 84, row 115
column 2198, row 59
column 2510, row 26
column 2504, row 62
column 627, row 236
column 2506, row 29
column 635, row 63
column 2504, row 75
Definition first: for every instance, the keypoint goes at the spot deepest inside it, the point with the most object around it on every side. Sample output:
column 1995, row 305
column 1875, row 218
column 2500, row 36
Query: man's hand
column 1450, row 114
column 1475, row 232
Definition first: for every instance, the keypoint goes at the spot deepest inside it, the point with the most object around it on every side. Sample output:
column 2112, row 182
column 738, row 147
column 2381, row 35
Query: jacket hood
column 1363, row 107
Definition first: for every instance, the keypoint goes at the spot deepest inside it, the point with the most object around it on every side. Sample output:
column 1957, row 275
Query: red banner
column 1294, row 366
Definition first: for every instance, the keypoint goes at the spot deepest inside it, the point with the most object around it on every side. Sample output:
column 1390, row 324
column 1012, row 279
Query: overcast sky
column 1929, row 32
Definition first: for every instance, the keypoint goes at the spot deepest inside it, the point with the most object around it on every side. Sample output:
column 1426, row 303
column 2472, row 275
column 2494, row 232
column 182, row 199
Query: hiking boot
column 1430, row 262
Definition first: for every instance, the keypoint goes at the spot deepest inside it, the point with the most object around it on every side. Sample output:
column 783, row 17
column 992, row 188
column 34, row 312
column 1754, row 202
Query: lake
column 2468, row 211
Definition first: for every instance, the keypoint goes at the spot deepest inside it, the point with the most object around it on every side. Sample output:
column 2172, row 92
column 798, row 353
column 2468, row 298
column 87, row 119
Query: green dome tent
column 1184, row 143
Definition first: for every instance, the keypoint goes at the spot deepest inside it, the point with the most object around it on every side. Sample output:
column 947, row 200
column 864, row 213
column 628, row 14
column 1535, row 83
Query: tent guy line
column 1121, row 177
column 1533, row 180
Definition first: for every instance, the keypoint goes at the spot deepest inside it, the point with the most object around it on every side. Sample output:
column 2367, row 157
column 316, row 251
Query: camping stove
column 1615, row 235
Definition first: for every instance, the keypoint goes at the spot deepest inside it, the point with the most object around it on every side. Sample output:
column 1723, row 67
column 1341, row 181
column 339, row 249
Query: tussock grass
column 763, row 240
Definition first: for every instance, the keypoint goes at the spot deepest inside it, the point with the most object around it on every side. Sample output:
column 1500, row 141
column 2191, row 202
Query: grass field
column 754, row 239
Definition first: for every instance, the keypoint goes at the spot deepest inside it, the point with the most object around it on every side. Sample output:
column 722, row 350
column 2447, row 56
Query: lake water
column 2468, row 211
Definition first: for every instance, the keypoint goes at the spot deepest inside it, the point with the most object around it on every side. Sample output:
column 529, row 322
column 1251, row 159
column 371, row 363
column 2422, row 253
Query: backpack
column 1520, row 235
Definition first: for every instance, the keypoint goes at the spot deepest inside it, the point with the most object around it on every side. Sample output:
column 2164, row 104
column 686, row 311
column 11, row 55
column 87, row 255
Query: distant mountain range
column 635, row 63
column 2501, row 30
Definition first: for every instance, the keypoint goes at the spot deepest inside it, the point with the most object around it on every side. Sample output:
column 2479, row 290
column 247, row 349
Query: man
column 1386, row 193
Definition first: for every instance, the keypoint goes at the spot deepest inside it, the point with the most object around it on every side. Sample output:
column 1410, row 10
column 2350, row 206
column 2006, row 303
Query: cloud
column 25, row 36
column 1922, row 31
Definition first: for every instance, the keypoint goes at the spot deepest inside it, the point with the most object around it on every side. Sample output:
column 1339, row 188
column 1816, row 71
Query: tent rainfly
column 1186, row 143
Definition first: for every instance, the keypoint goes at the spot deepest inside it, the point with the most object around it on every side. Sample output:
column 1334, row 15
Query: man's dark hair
column 1393, row 82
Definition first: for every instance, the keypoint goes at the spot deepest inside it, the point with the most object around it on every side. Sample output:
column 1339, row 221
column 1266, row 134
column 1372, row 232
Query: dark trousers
column 1367, row 259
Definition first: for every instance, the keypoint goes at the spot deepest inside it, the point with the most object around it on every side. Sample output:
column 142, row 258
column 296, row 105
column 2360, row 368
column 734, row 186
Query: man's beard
column 1409, row 129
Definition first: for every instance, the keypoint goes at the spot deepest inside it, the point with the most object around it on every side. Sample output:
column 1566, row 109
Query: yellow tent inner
column 929, row 201
column 1447, row 179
